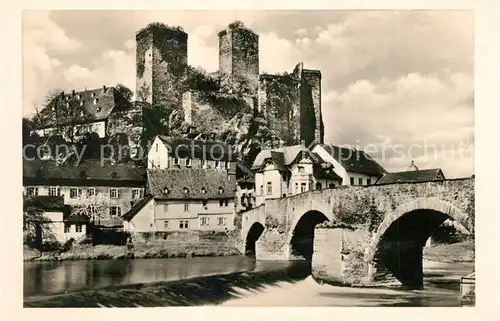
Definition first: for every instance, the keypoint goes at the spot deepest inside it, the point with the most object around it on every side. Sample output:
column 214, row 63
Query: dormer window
column 166, row 190
column 203, row 190
column 82, row 102
column 98, row 110
column 186, row 191
column 95, row 101
column 188, row 162
column 176, row 161
column 114, row 175
column 221, row 190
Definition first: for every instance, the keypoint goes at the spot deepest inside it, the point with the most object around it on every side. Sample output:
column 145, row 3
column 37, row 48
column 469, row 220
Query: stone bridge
column 384, row 227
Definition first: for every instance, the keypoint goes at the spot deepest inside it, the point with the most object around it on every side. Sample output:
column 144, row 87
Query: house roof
column 89, row 172
column 137, row 207
column 81, row 107
column 425, row 175
column 176, row 180
column 282, row 157
column 325, row 173
column 354, row 161
column 243, row 174
column 199, row 149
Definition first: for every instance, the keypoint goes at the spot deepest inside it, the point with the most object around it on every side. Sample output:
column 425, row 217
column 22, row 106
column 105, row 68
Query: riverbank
column 140, row 251
column 450, row 253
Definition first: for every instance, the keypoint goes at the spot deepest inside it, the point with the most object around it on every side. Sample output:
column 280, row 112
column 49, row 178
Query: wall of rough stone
column 326, row 264
column 313, row 79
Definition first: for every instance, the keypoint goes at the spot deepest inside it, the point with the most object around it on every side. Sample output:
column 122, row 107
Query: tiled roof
column 89, row 172
column 108, row 100
column 289, row 153
column 175, row 181
column 200, row 149
column 425, row 175
column 137, row 207
column 355, row 161
column 325, row 173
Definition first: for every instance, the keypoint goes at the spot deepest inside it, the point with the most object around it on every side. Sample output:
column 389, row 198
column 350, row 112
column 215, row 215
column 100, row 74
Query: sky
column 397, row 84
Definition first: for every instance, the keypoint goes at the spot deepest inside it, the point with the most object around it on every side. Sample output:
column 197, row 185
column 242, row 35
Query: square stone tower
column 239, row 53
column 161, row 58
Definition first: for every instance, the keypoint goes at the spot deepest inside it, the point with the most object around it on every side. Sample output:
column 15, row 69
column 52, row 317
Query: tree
column 126, row 92
column 35, row 227
column 92, row 209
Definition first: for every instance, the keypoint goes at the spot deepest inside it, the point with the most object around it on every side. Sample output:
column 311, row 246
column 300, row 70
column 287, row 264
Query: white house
column 355, row 167
column 183, row 199
column 290, row 170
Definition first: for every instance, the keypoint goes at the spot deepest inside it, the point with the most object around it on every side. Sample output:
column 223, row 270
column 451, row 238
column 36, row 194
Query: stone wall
column 313, row 79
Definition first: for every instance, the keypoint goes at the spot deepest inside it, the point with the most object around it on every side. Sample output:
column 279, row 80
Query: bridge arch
column 253, row 234
column 301, row 234
column 410, row 225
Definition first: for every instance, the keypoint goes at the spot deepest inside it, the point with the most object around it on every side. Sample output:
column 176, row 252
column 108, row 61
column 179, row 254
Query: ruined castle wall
column 313, row 78
column 144, row 65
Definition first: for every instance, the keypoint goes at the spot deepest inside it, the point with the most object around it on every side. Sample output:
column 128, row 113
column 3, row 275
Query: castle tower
column 239, row 53
column 161, row 57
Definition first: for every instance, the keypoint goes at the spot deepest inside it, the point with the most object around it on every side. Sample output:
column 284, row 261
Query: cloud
column 408, row 118
column 75, row 72
column 301, row 32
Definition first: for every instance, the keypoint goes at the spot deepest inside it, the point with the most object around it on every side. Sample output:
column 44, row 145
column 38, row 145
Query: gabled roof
column 82, row 107
column 324, row 173
column 137, row 207
column 282, row 157
column 176, row 180
column 354, row 161
column 425, row 175
column 89, row 172
column 243, row 174
column 198, row 149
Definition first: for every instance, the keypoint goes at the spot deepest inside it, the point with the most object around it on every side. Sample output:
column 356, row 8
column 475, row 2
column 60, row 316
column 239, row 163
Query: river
column 45, row 279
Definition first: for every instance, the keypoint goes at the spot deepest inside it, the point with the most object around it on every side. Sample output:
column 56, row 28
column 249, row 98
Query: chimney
column 104, row 88
column 73, row 93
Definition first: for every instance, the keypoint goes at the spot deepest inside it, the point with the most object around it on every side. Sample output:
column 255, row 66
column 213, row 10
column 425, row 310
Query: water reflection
column 54, row 277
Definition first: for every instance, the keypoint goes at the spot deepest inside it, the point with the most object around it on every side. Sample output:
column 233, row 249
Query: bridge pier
column 338, row 256
column 272, row 246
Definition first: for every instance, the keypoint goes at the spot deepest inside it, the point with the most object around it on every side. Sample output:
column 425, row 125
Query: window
column 32, row 191
column 188, row 162
column 66, row 228
column 228, row 165
column 269, row 188
column 67, row 105
column 204, row 203
column 95, row 101
column 176, row 161
column 115, row 211
column 93, row 95
column 221, row 221
column 165, row 224
column 226, row 203
column 261, row 189
column 74, row 192
column 186, row 190
column 156, row 146
column 296, row 188
column 98, row 110
column 78, row 96
column 78, row 228
column 204, row 163
column 186, row 207
column 90, row 192
column 203, row 190
column 318, row 186
column 114, row 193
column 360, row 181
column 368, row 181
column 221, row 203
column 352, row 180
column 82, row 102
column 137, row 193
column 205, row 221
column 54, row 191
column 165, row 207
column 221, row 190
column 301, row 170
column 303, row 187
column 217, row 164
column 183, row 224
